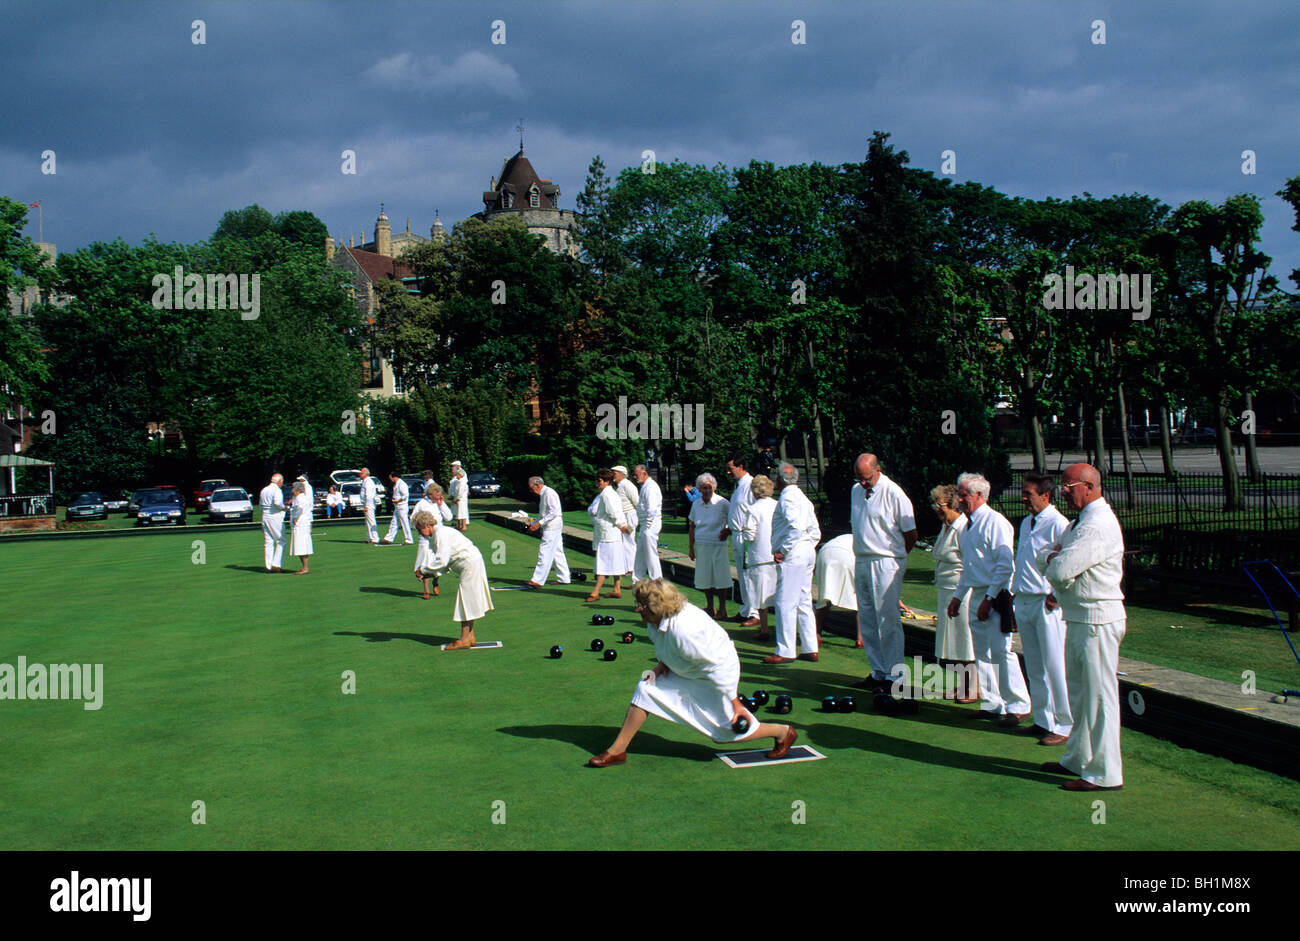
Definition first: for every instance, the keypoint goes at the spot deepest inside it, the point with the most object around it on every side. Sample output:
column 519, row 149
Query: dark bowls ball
column 783, row 704
column 830, row 704
column 628, row 637
column 597, row 644
column 611, row 654
column 760, row 696
column 598, row 619
column 579, row 576
column 740, row 726
column 557, row 652
column 847, row 704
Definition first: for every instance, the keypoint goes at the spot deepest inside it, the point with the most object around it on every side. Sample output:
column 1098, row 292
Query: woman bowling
column 450, row 550
column 695, row 681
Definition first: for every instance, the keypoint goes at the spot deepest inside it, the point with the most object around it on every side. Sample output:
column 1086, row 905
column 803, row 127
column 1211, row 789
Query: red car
column 204, row 493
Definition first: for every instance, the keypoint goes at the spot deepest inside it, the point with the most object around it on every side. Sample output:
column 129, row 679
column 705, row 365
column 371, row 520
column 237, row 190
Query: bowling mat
column 757, row 757
column 481, row 645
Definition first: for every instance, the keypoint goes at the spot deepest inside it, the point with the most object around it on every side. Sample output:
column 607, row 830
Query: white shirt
column 608, row 515
column 947, row 553
column 302, row 512
column 1087, row 571
column 879, row 520
column 710, row 519
column 987, row 558
column 425, row 505
column 271, row 500
column 334, row 498
column 548, row 510
column 368, row 494
column 757, row 530
column 794, row 523
column 1036, row 534
column 628, row 494
column 693, row 646
column 650, row 505
column 741, row 499
column 401, row 493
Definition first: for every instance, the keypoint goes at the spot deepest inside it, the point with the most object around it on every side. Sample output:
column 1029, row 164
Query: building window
column 533, row 199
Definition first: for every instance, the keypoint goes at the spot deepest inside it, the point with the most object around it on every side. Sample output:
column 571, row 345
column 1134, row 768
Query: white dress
column 760, row 570
column 702, row 679
column 451, row 550
column 952, row 636
column 607, row 539
column 301, row 526
column 834, row 574
column 459, row 493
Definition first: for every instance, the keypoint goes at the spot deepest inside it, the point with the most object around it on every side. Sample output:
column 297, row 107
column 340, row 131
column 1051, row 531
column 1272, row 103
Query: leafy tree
column 22, row 367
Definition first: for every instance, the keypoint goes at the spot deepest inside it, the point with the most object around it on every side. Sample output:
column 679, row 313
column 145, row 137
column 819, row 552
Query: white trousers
column 1091, row 659
column 1042, row 636
column 551, row 552
column 646, row 563
column 273, row 540
column 794, row 602
column 747, row 607
column 878, row 581
column 372, row 530
column 1002, row 685
column 402, row 518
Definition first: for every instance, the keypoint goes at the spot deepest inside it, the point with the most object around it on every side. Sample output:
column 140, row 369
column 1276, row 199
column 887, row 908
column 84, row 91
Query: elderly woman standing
column 952, row 637
column 301, row 546
column 608, row 526
column 448, row 549
column 695, row 681
column 459, row 493
column 760, row 568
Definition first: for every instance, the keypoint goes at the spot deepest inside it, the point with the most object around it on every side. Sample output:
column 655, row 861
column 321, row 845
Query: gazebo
column 24, row 511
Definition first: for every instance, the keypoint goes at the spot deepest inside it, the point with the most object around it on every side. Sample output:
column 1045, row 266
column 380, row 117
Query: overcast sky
column 155, row 134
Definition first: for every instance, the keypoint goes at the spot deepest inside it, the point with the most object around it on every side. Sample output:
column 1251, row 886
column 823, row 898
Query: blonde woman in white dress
column 608, row 527
column 953, row 642
column 301, row 546
column 458, row 493
column 760, row 569
column 449, row 550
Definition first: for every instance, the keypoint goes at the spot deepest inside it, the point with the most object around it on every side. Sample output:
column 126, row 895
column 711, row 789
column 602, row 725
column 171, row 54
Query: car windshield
column 482, row 477
column 86, row 498
column 160, row 496
column 346, row 475
column 211, row 484
column 226, row 496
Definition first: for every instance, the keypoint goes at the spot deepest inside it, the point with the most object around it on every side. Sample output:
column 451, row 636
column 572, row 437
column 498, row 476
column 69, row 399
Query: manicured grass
column 223, row 684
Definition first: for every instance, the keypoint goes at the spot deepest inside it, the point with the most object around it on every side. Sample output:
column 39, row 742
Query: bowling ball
column 748, row 703
column 611, row 654
column 579, row 576
column 847, row 704
column 783, row 704
column 740, row 726
column 829, row 704
column 609, row 619
column 597, row 644
column 760, row 696
column 628, row 637
column 598, row 619
column 557, row 652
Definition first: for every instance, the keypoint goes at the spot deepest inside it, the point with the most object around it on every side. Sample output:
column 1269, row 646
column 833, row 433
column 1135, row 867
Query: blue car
column 160, row 507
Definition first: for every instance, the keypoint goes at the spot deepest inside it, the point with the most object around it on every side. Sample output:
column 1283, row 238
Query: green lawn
column 223, row 684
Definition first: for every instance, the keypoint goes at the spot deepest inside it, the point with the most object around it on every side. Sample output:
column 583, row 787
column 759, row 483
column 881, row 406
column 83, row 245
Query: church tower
column 383, row 234
column 519, row 191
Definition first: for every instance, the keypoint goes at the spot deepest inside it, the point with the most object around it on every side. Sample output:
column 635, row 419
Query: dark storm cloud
column 156, row 134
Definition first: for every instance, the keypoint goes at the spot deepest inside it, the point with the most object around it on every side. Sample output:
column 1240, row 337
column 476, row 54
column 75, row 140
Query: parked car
column 116, row 501
column 230, row 504
column 416, row 487
column 351, row 491
column 87, row 506
column 342, row 477
column 161, row 505
column 483, row 484
column 202, row 495
column 133, row 505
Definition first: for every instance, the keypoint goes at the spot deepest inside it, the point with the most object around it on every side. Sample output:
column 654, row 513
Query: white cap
column 619, row 468
column 455, row 463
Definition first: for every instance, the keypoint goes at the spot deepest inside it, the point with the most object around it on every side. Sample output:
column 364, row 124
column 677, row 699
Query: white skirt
column 473, row 596
column 760, row 585
column 712, row 566
column 301, row 544
column 952, row 637
column 697, row 703
column 834, row 582
column 611, row 558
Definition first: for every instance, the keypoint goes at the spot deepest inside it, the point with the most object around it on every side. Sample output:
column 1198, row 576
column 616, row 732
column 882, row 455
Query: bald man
column 271, row 500
column 884, row 532
column 1085, row 569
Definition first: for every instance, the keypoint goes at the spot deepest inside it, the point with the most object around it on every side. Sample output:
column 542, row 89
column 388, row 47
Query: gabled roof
column 518, row 177
column 377, row 266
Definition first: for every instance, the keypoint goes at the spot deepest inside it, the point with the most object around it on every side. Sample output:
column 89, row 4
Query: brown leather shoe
column 1036, row 729
column 605, row 759
column 775, row 659
column 966, row 700
column 751, row 622
column 857, row 645
column 1053, row 739
column 532, row 584
column 1012, row 719
column 1080, row 784
column 783, row 745
column 812, row 657
column 1055, row 767
column 985, row 714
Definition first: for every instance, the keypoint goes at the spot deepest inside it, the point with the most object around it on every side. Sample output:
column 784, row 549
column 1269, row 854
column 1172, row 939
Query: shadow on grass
column 399, row 592
column 379, row 637
column 595, row 739
column 259, row 569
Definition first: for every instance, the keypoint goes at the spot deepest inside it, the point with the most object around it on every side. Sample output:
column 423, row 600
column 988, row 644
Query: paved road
column 1281, row 460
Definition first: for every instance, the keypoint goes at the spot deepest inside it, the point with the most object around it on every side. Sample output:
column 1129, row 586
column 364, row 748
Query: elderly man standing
column 1038, row 616
column 369, row 497
column 628, row 495
column 707, row 532
column 1085, row 569
column 795, row 534
column 551, row 522
column 988, row 565
column 884, row 532
column 649, row 509
column 271, row 501
column 401, row 496
column 741, row 500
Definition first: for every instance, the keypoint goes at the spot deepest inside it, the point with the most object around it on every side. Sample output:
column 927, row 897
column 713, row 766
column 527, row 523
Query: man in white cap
column 628, row 495
column 649, row 509
column 551, row 522
column 271, row 501
column 401, row 509
column 458, row 493
column 369, row 497
column 741, row 499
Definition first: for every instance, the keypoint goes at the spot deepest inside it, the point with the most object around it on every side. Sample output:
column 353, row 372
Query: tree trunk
column 1231, row 481
column 1166, row 446
column 1099, row 438
column 1036, row 443
column 1080, row 446
column 1123, row 437
column 1253, row 472
column 817, row 426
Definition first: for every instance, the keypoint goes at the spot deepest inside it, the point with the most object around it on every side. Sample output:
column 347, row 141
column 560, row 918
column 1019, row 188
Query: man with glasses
column 884, row 532
column 1085, row 569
